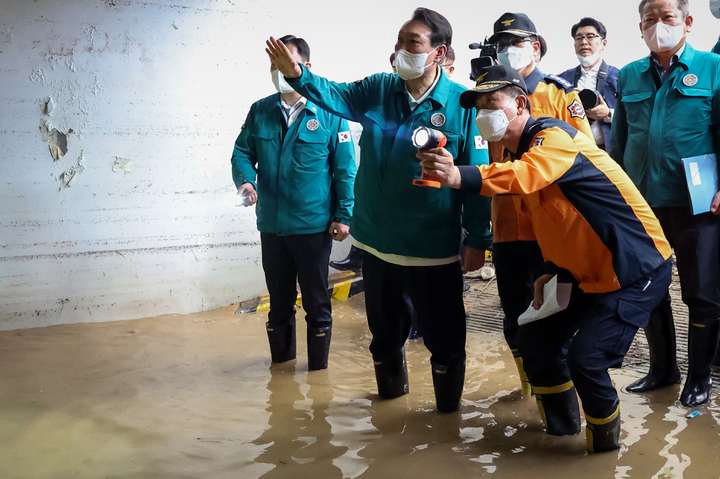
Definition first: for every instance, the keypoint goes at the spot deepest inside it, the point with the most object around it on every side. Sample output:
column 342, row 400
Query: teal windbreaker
column 656, row 124
column 391, row 214
column 304, row 180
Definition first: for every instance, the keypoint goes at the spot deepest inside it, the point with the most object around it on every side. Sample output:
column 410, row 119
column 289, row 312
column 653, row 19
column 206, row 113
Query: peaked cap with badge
column 517, row 24
column 490, row 79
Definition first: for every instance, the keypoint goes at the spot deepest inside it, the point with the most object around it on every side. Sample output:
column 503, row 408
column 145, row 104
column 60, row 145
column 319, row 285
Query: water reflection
column 195, row 397
column 299, row 436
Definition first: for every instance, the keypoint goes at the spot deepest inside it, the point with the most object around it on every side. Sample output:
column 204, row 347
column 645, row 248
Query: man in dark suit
column 594, row 74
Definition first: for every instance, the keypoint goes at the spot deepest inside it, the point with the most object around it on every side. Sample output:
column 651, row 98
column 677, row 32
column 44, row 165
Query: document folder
column 702, row 179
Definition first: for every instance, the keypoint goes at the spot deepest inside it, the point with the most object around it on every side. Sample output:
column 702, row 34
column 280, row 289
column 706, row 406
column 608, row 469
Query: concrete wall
column 117, row 119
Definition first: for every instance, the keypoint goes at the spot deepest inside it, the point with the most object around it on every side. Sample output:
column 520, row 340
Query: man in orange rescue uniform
column 595, row 231
column 516, row 255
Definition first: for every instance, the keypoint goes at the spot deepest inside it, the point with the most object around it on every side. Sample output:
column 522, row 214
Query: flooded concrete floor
column 195, row 396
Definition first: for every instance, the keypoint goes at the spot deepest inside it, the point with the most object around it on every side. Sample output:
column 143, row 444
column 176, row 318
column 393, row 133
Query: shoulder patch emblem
column 576, row 109
column 312, row 125
column 344, row 137
column 480, row 144
column 438, row 119
column 690, row 80
column 538, row 141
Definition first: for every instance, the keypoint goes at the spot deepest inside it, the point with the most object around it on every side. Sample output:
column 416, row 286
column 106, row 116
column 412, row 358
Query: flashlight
column 425, row 138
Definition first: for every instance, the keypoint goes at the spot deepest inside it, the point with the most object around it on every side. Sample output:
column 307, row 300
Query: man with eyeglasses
column 516, row 255
column 594, row 74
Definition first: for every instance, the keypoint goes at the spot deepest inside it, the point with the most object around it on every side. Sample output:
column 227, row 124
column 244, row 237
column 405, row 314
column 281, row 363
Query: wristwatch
column 608, row 118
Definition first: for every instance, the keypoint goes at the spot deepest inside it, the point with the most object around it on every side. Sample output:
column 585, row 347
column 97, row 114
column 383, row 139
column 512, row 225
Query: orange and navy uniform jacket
column 587, row 215
column 550, row 96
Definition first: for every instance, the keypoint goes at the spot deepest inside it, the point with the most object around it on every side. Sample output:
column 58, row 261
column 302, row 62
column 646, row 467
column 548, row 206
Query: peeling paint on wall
column 47, row 106
column 38, row 75
column 121, row 164
column 67, row 177
column 56, row 140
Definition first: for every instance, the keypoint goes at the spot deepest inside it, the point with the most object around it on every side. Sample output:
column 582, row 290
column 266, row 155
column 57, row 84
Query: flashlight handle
column 427, row 180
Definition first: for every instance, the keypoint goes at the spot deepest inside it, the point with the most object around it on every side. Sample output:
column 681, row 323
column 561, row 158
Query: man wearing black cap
column 517, row 258
column 595, row 231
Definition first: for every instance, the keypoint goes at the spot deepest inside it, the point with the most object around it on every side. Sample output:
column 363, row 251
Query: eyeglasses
column 590, row 37
column 515, row 42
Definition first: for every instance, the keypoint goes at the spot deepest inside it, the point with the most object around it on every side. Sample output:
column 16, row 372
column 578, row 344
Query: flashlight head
column 426, row 138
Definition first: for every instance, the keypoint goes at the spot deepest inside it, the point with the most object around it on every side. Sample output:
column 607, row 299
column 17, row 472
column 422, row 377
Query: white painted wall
column 137, row 218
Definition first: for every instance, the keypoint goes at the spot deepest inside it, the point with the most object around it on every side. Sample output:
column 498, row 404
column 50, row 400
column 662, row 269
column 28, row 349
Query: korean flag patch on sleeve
column 344, row 137
column 480, row 144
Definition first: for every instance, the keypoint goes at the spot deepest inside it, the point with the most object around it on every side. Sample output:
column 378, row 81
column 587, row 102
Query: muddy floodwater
column 195, row 396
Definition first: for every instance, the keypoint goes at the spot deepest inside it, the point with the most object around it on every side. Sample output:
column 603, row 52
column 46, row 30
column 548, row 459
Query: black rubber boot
column 318, row 344
column 391, row 375
column 603, row 434
column 353, row 261
column 449, row 381
column 702, row 345
column 660, row 334
column 282, row 342
column 559, row 410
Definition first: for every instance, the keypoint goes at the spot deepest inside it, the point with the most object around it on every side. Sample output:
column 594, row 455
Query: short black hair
column 441, row 31
column 589, row 22
column 299, row 43
column 683, row 5
column 450, row 54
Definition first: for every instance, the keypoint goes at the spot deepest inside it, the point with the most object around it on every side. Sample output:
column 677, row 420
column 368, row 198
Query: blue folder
column 702, row 178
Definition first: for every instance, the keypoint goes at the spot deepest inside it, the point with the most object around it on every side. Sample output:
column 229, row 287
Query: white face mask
column 589, row 60
column 411, row 65
column 517, row 58
column 281, row 85
column 661, row 37
column 492, row 124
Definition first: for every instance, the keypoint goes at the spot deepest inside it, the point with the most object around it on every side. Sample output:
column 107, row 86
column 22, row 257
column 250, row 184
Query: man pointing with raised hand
column 410, row 234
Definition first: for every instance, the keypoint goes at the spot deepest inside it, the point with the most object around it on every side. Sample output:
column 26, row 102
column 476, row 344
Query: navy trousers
column 696, row 242
column 596, row 330
column 302, row 259
column 517, row 265
column 435, row 293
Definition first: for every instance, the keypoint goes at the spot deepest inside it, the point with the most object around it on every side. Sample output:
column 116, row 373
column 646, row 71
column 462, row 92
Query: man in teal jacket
column 410, row 234
column 304, row 160
column 668, row 109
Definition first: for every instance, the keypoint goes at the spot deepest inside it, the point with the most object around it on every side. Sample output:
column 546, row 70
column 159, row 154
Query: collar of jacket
column 439, row 96
column 532, row 80
column 685, row 59
column 531, row 129
column 309, row 106
column 602, row 72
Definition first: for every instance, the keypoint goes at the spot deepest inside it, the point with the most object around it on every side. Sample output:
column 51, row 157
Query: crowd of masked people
column 578, row 183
